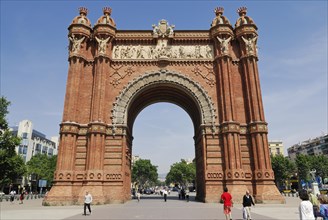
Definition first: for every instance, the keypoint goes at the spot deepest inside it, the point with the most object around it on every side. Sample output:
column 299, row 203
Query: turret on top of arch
column 243, row 19
column 82, row 18
column 219, row 19
column 106, row 18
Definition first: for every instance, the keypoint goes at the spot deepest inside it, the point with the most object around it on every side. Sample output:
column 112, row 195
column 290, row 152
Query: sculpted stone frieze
column 141, row 52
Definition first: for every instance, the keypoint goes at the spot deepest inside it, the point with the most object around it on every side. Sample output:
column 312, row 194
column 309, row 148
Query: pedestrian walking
column 87, row 202
column 247, row 203
column 138, row 195
column 305, row 207
column 165, row 194
column 187, row 194
column 12, row 196
column 226, row 198
column 21, row 197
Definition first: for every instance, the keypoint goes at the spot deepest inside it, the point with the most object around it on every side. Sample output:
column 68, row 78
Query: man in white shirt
column 165, row 194
column 12, row 196
column 305, row 207
column 87, row 202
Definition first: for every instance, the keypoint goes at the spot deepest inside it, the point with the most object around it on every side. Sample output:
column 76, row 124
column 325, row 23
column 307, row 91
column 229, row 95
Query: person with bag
column 247, row 203
column 226, row 198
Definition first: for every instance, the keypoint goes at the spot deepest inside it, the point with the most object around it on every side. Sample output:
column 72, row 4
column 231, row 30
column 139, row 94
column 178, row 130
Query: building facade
column 312, row 146
column 114, row 74
column 276, row 147
column 33, row 142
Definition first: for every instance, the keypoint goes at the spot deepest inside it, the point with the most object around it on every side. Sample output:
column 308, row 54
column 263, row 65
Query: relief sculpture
column 132, row 52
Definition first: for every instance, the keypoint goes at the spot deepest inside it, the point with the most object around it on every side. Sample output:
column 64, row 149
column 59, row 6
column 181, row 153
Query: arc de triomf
column 114, row 74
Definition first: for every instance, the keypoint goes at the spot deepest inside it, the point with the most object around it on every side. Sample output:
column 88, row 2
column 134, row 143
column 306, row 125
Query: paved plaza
column 150, row 207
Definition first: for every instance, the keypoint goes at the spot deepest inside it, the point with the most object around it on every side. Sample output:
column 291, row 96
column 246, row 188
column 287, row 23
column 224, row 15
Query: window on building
column 50, row 152
column 24, row 149
column 20, row 149
column 38, row 148
column 278, row 150
column 44, row 149
column 24, row 135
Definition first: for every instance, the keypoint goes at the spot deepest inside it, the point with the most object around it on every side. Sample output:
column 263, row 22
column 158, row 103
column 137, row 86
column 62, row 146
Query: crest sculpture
column 114, row 74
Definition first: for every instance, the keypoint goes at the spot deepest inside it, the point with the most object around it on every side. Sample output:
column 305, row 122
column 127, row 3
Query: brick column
column 103, row 35
column 263, row 176
column 223, row 37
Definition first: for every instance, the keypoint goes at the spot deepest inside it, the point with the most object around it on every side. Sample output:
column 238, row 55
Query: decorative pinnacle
column 219, row 11
column 83, row 10
column 242, row 11
column 107, row 10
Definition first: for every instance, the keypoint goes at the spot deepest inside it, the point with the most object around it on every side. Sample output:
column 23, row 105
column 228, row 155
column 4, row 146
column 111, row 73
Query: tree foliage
column 42, row 166
column 283, row 168
column 11, row 165
column 181, row 173
column 144, row 173
column 303, row 163
column 306, row 163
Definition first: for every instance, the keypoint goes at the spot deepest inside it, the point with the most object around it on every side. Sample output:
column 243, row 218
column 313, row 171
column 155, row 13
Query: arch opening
column 172, row 83
column 163, row 133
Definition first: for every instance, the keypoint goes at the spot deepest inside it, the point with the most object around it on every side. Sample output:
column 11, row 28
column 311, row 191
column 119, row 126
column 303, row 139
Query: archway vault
column 161, row 86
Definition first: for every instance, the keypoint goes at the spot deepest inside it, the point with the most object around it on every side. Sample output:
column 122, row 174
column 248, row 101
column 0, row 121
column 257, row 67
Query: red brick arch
column 114, row 74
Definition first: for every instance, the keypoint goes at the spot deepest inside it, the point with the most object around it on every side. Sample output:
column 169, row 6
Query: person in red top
column 227, row 203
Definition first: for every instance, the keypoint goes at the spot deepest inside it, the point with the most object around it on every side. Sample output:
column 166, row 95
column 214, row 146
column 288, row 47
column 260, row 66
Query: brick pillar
column 65, row 181
column 233, row 174
column 230, row 127
column 97, row 177
column 263, row 176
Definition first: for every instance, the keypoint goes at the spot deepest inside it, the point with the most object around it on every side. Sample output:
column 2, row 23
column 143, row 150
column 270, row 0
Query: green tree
column 144, row 173
column 320, row 164
column 11, row 165
column 303, row 163
column 181, row 173
column 42, row 166
column 283, row 168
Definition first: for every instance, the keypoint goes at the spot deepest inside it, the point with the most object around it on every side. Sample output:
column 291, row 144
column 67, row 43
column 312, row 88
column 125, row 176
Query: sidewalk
column 150, row 207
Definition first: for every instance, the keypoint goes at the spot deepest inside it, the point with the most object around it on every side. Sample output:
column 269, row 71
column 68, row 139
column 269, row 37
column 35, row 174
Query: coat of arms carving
column 163, row 29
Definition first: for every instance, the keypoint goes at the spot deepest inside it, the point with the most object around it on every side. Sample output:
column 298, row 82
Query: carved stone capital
column 221, row 29
column 80, row 29
column 230, row 127
column 105, row 30
column 117, row 130
column 97, row 128
column 245, row 29
column 69, row 128
column 258, row 127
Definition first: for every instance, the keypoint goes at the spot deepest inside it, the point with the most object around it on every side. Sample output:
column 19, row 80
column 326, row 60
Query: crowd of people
column 313, row 206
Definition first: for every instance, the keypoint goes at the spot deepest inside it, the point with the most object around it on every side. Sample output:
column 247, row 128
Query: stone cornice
column 148, row 35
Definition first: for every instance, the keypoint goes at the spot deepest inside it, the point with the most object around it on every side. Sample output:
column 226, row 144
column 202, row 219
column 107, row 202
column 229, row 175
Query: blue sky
column 292, row 63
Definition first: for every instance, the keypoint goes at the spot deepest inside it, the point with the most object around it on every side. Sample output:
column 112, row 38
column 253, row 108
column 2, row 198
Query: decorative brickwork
column 114, row 74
